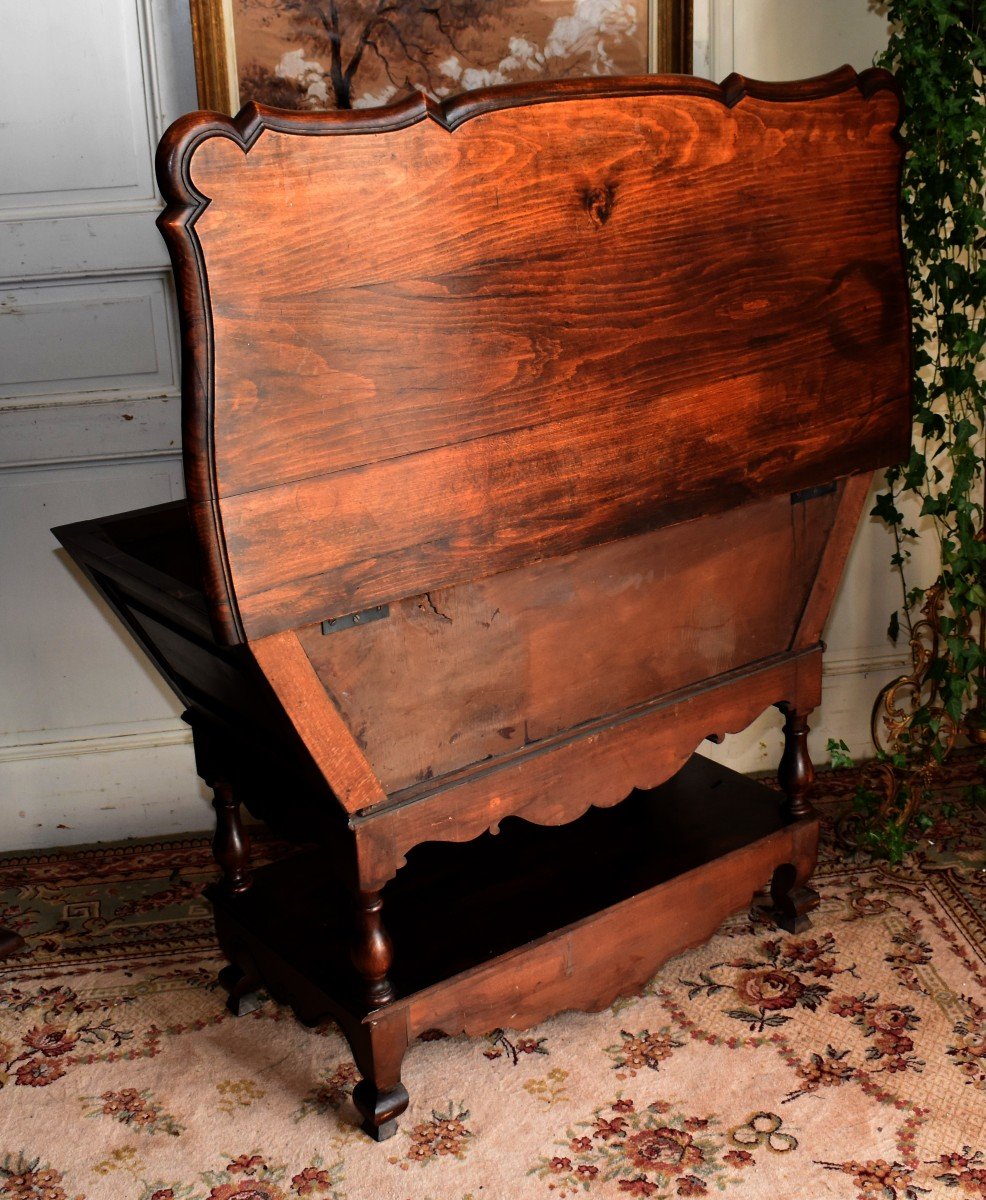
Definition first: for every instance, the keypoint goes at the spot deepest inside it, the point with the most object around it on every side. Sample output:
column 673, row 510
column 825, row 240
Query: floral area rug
column 849, row 1061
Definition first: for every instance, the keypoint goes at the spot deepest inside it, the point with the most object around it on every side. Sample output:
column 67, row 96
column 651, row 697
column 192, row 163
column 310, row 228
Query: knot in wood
column 598, row 203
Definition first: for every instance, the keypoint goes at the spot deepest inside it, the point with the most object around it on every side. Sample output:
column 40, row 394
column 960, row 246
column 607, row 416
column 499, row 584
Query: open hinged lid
column 429, row 343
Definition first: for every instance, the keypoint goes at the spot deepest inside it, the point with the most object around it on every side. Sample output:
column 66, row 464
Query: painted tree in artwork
column 406, row 36
column 350, row 53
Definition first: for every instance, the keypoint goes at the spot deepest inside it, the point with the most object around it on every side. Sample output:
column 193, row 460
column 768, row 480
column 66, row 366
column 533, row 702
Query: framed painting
column 322, row 54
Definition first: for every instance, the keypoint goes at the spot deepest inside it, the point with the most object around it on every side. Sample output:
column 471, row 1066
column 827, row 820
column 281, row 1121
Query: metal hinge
column 334, row 624
column 823, row 489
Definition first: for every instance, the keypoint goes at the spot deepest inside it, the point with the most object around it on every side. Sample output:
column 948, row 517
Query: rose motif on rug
column 139, row 1110
column 643, row 1152
column 969, row 1048
column 847, row 1060
column 251, row 1176
column 783, row 974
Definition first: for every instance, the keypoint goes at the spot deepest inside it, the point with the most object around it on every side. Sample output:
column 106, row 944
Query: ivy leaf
column 839, row 754
column 886, row 510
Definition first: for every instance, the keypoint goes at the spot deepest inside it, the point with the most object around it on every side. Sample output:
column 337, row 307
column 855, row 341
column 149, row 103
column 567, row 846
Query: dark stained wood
column 527, row 935
column 816, row 610
column 379, row 1044
column 796, row 773
column 585, row 383
column 373, row 951
column 10, row 942
column 231, row 844
column 519, row 886
column 791, row 899
column 332, row 745
column 233, row 710
column 151, row 552
column 243, row 989
column 359, row 404
column 576, row 970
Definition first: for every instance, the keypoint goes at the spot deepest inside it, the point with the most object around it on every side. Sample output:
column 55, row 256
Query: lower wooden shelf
column 508, row 929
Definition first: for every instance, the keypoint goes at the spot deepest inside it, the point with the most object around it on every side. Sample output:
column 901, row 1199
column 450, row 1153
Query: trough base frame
column 523, row 937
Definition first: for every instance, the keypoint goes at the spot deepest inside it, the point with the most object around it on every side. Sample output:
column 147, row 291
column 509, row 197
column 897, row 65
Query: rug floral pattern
column 847, row 1061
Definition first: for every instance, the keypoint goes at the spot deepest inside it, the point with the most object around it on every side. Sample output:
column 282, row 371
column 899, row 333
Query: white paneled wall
column 90, row 741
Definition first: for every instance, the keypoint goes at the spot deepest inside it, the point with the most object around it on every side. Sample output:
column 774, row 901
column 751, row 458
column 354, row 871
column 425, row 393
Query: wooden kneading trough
column 525, row 437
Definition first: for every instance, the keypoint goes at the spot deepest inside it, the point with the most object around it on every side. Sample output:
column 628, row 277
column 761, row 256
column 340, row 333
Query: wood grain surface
column 585, row 381
column 470, row 673
column 426, row 345
column 328, row 739
column 578, row 968
column 528, row 935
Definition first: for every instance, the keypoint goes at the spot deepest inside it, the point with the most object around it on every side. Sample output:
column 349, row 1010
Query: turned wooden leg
column 796, row 773
column 373, row 951
column 380, row 1097
column 791, row 901
column 231, row 845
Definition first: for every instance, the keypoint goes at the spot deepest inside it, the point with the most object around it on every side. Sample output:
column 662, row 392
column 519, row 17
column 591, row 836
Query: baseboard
column 102, row 786
column 99, row 739
column 893, row 662
column 849, row 687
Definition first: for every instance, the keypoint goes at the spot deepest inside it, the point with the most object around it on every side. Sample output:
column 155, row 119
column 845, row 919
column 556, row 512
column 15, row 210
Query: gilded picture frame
column 524, row 39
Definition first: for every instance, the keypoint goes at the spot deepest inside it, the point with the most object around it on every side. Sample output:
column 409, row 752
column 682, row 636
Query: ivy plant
column 936, row 50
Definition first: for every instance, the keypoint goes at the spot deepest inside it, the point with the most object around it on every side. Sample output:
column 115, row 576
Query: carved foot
column 10, row 942
column 790, row 902
column 379, row 1108
column 244, row 990
column 378, row 1045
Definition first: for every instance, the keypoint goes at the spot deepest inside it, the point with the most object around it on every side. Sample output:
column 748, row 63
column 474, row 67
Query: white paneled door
column 90, row 741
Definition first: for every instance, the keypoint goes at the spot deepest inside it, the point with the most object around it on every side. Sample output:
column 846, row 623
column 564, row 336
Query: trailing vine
column 936, row 49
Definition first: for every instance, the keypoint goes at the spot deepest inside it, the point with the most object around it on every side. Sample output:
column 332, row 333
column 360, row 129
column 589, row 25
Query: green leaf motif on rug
column 238, row 1093
column 138, row 1110
column 550, row 1088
